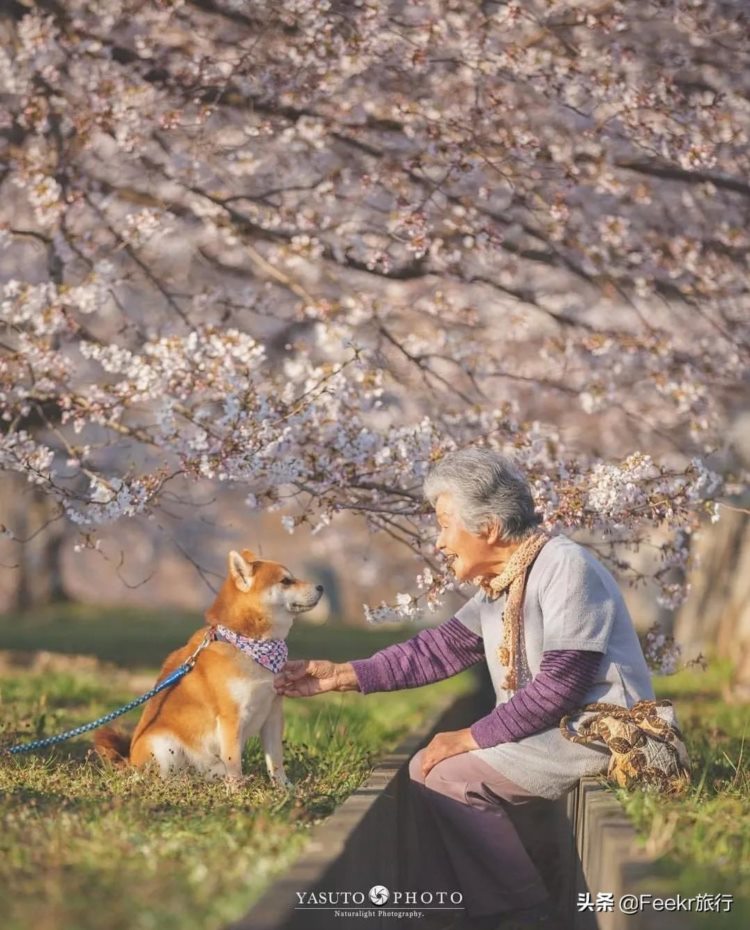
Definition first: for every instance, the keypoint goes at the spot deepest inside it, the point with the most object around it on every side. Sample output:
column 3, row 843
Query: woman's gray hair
column 486, row 486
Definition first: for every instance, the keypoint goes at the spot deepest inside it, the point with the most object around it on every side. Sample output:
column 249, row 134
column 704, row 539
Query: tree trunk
column 716, row 616
column 39, row 577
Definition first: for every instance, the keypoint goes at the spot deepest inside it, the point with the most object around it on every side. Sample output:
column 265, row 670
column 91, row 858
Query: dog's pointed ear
column 241, row 571
column 249, row 556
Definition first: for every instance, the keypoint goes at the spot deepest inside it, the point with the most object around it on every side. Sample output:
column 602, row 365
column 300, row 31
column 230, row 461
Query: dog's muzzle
column 300, row 604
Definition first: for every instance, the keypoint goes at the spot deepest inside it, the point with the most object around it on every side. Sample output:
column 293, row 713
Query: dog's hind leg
column 164, row 748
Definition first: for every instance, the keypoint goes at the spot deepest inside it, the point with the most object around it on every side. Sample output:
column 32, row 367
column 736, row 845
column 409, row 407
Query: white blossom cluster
column 661, row 651
column 617, row 491
column 19, row 452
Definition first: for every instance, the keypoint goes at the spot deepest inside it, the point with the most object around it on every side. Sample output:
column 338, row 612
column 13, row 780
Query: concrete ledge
column 610, row 859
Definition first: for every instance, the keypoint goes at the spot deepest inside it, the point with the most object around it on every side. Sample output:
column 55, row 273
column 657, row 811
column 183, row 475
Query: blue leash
column 167, row 682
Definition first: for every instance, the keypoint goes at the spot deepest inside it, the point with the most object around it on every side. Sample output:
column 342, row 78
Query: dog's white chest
column 252, row 693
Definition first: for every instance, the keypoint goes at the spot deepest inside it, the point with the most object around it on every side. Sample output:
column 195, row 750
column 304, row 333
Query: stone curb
column 611, row 859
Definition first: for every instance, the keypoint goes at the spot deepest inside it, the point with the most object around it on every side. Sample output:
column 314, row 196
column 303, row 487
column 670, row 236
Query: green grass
column 84, row 845
column 702, row 839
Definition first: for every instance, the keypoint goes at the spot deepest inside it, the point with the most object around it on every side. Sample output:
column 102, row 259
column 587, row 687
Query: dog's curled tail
column 112, row 744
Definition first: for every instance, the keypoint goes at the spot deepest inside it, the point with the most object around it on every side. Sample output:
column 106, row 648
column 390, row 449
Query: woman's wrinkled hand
column 306, row 677
column 444, row 745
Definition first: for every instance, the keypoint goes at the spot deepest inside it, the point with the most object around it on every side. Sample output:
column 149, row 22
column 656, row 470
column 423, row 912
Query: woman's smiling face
column 469, row 555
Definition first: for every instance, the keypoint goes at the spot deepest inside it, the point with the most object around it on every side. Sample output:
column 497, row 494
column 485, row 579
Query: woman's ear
column 493, row 531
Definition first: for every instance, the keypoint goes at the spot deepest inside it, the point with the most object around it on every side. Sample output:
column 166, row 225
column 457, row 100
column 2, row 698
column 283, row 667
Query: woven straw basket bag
column 647, row 747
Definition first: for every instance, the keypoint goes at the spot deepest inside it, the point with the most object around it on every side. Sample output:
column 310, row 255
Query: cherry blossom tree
column 306, row 247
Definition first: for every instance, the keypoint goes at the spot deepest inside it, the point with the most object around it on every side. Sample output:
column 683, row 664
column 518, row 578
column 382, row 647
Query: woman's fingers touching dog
column 294, row 669
column 305, row 677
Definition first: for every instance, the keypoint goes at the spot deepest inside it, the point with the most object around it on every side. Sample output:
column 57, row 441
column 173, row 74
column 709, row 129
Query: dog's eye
column 286, row 581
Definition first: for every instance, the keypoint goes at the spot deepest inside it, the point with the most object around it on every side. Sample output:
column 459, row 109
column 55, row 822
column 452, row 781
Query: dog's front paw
column 236, row 782
column 280, row 780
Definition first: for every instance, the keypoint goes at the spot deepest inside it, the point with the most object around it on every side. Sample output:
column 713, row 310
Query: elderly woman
column 553, row 628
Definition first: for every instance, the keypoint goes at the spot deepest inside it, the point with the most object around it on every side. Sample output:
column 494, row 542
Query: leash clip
column 193, row 657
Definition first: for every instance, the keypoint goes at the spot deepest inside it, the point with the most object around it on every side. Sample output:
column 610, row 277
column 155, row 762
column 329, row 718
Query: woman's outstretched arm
column 431, row 655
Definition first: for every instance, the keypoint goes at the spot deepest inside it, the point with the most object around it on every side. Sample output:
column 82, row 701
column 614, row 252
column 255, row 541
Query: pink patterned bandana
column 270, row 653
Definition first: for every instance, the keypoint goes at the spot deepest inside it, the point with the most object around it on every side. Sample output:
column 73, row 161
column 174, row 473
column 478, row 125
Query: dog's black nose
column 319, row 588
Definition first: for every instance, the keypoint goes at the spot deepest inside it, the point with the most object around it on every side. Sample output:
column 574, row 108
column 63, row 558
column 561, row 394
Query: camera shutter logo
column 379, row 894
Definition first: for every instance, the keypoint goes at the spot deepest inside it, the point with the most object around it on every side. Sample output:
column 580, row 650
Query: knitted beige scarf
column 513, row 580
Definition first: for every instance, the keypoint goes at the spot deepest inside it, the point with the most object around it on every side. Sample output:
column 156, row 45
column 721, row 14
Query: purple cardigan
column 564, row 677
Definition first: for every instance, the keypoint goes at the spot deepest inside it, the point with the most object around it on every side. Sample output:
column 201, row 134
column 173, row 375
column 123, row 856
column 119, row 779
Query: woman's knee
column 452, row 777
column 415, row 767
column 448, row 778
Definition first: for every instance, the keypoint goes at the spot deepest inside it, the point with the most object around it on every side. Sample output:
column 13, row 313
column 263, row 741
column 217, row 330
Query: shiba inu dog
column 206, row 718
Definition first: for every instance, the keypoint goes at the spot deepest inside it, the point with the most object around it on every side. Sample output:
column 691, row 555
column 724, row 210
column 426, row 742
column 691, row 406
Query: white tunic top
column 571, row 602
